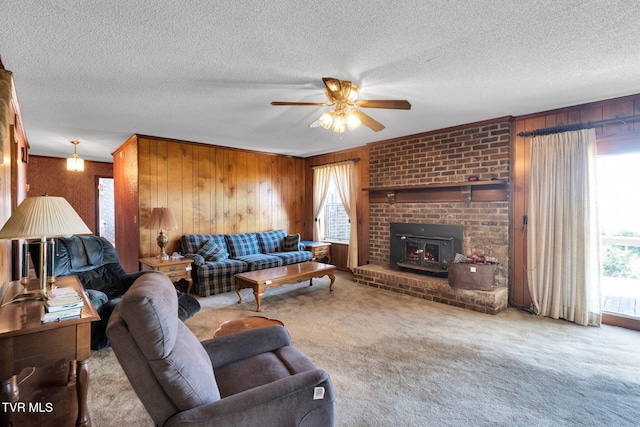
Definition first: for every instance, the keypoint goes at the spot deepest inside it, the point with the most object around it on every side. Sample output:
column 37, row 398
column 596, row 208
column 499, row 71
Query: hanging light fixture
column 75, row 163
column 340, row 119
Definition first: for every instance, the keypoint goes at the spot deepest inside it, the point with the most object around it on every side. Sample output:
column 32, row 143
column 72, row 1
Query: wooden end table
column 27, row 342
column 260, row 280
column 175, row 269
column 244, row 323
column 321, row 251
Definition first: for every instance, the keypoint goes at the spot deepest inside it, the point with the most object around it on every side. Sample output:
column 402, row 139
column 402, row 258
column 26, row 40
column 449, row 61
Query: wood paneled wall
column 211, row 189
column 14, row 148
column 618, row 137
column 6, row 266
column 339, row 252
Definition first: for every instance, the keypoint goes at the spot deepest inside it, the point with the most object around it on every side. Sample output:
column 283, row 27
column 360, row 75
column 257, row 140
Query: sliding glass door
column 618, row 177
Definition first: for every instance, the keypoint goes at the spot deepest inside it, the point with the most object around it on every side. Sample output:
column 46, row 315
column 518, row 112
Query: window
column 337, row 226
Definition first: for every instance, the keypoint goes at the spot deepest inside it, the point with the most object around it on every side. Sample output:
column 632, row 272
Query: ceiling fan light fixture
column 339, row 123
column 340, row 120
column 343, row 94
column 326, row 119
column 353, row 122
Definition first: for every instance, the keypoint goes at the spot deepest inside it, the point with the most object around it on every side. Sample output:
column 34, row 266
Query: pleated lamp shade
column 161, row 219
column 43, row 216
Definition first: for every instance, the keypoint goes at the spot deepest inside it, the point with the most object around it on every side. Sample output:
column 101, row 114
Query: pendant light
column 75, row 163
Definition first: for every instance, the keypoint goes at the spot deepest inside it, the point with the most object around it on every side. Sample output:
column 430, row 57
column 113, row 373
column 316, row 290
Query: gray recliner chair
column 253, row 377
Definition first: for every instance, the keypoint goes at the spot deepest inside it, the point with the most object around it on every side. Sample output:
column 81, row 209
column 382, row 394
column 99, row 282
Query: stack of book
column 62, row 303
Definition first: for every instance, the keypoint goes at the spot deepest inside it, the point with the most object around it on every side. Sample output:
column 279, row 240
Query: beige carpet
column 401, row 361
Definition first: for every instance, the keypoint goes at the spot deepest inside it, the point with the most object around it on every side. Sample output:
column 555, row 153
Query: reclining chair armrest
column 242, row 345
column 248, row 407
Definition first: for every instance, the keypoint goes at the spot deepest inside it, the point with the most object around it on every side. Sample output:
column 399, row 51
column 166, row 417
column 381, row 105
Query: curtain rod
column 354, row 160
column 577, row 126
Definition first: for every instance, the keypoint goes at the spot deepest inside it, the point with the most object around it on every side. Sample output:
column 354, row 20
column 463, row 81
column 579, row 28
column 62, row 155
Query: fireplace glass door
column 425, row 253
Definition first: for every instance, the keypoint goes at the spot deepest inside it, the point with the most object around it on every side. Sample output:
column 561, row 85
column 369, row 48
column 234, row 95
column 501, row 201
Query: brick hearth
column 431, row 288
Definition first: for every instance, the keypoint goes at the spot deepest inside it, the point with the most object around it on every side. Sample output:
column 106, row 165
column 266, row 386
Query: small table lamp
column 162, row 219
column 41, row 218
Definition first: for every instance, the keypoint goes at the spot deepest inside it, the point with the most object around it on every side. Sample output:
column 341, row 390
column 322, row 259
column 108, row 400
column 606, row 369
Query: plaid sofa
column 217, row 258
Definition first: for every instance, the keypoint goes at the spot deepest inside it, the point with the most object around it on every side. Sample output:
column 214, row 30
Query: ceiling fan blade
column 391, row 104
column 368, row 121
column 304, row 104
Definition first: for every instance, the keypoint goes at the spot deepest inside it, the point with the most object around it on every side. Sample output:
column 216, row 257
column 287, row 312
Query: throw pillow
column 211, row 251
column 291, row 243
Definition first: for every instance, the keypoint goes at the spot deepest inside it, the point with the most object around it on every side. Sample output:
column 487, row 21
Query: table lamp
column 162, row 219
column 41, row 218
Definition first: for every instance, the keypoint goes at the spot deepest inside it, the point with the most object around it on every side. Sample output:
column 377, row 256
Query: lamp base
column 26, row 295
column 162, row 242
column 36, row 295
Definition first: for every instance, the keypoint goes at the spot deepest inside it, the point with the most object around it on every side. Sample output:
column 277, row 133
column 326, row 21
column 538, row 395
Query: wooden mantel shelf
column 437, row 185
column 459, row 191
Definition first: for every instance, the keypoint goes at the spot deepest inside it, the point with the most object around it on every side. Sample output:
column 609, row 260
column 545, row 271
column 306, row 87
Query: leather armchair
column 253, row 377
column 96, row 263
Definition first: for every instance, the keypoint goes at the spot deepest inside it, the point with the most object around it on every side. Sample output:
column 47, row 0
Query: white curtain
column 321, row 180
column 345, row 183
column 563, row 261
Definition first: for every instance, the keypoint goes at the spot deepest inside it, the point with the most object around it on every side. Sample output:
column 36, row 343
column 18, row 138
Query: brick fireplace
column 424, row 179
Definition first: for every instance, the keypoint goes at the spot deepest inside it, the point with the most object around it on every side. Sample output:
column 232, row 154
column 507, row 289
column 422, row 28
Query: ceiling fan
column 343, row 94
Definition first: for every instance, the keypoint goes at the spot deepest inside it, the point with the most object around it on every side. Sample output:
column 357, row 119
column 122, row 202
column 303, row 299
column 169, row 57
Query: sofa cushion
column 293, row 257
column 211, row 251
column 260, row 261
column 242, row 244
column 224, row 266
column 270, row 241
column 175, row 355
column 265, row 368
column 291, row 242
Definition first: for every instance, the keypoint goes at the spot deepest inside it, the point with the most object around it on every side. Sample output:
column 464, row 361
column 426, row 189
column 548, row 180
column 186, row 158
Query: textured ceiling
column 206, row 71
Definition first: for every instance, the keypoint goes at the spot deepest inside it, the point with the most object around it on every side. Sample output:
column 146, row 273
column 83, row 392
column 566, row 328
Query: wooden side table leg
column 73, row 366
column 82, row 389
column 9, row 392
column 333, row 279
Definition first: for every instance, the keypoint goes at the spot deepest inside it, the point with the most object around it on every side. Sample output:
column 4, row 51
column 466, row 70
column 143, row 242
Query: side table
column 175, row 269
column 244, row 323
column 27, row 342
column 321, row 250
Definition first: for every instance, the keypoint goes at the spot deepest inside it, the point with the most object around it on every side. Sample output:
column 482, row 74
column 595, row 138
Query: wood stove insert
column 424, row 247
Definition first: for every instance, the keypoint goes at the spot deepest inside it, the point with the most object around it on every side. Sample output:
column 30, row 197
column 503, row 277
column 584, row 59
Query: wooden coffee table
column 260, row 280
column 244, row 323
